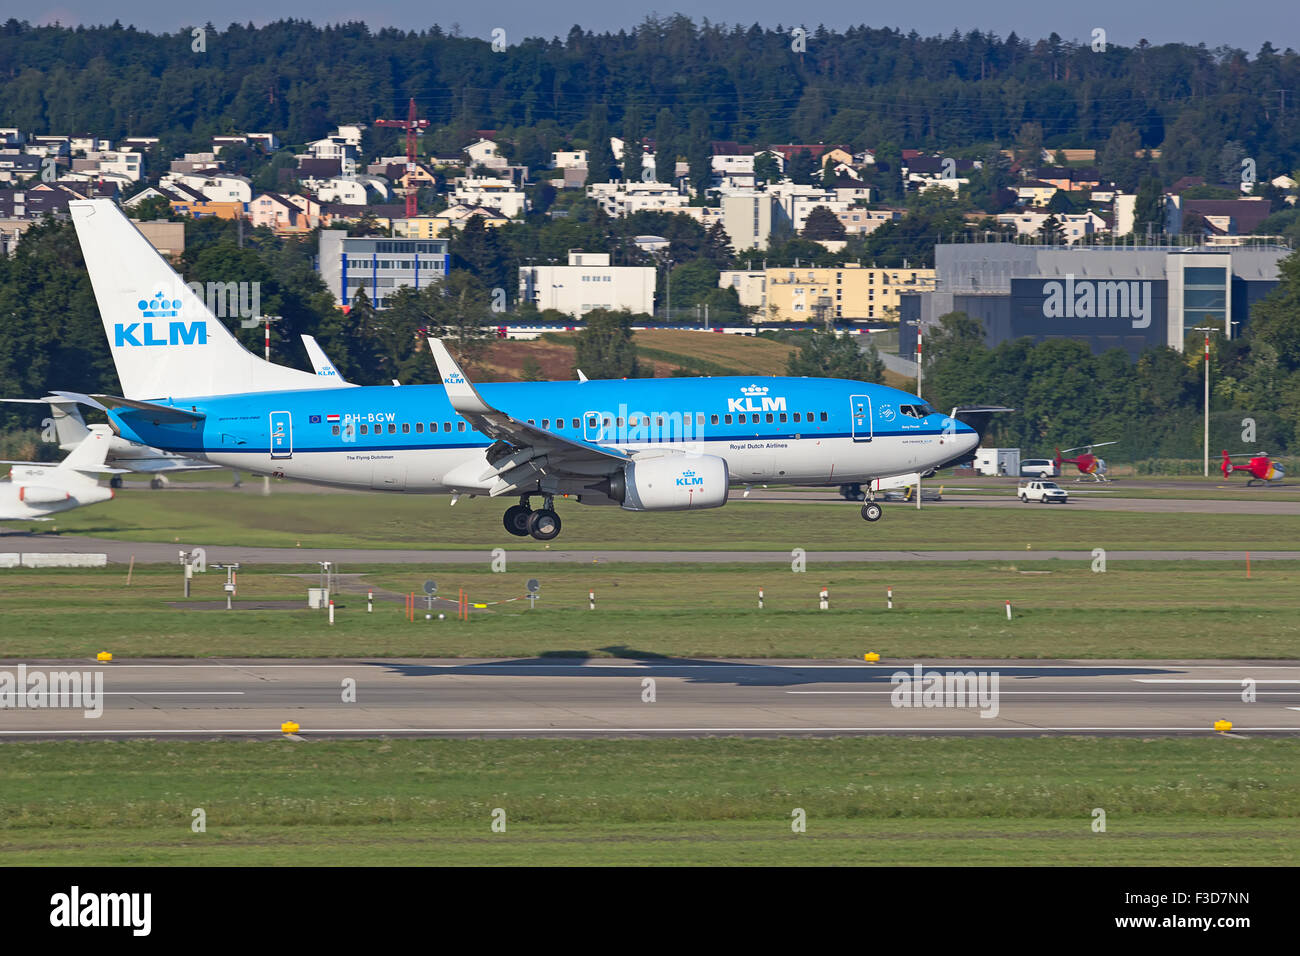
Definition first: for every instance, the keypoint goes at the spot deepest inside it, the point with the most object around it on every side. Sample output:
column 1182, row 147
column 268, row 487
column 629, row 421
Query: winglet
column 462, row 394
column 581, row 376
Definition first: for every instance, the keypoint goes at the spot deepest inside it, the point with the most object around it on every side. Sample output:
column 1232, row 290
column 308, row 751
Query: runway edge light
column 1223, row 726
column 289, row 727
column 103, row 656
column 871, row 657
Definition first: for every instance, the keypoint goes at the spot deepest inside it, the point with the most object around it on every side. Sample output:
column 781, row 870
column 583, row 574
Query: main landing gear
column 543, row 524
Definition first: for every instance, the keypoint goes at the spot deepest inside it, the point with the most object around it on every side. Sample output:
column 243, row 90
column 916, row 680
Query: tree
column 1275, row 321
column 665, row 147
column 1051, row 231
column 1118, row 160
column 801, row 168
column 604, row 346
column 633, row 154
column 823, row 224
column 1149, row 208
column 767, row 168
column 827, row 355
column 600, row 159
column 155, row 207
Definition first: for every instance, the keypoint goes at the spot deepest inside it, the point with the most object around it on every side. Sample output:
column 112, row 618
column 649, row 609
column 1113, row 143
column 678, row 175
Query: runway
column 150, row 552
column 679, row 698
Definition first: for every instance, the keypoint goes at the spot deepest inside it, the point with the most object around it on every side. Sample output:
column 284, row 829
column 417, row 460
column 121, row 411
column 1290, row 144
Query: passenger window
column 546, row 423
column 576, row 425
column 406, row 428
column 699, row 419
column 823, row 416
column 392, row 429
column 743, row 419
column 419, row 428
column 446, row 426
column 727, row 419
column 605, row 423
column 769, row 418
column 433, row 426
column 659, row 421
column 619, row 421
column 713, row 420
column 365, row 429
column 796, row 416
column 531, row 422
column 783, row 416
column 335, row 429
column 460, row 426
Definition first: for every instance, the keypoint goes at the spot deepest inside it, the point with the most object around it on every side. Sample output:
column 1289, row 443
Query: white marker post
column 370, row 602
column 1008, row 610
column 889, row 598
column 825, row 599
column 331, row 612
column 760, row 599
column 591, row 600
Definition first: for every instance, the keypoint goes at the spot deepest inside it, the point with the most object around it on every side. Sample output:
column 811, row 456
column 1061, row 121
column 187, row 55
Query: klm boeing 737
column 643, row 444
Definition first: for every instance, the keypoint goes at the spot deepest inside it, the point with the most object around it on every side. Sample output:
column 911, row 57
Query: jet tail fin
column 164, row 339
column 320, row 362
column 88, row 457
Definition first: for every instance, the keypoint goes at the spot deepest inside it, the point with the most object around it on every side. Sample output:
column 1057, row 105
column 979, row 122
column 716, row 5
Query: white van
column 1038, row 468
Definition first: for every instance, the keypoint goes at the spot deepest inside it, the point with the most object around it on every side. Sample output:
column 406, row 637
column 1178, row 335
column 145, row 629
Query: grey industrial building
column 1128, row 297
column 380, row 266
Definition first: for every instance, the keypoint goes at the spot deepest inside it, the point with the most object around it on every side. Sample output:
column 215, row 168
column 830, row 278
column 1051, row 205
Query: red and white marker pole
column 889, row 598
column 760, row 599
column 1008, row 610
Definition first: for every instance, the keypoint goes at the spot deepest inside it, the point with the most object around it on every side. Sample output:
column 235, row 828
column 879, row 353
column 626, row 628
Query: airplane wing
column 520, row 451
column 155, row 412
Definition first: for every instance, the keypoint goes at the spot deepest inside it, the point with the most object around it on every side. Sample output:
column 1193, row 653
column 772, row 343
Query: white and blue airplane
column 642, row 444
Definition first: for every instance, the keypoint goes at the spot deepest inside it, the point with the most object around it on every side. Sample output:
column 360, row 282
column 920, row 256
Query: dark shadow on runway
column 742, row 673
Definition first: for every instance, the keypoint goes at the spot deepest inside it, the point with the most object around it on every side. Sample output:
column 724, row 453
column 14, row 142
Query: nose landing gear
column 521, row 520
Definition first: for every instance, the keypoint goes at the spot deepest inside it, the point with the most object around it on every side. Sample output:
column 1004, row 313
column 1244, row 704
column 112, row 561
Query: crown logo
column 159, row 307
column 688, row 474
column 754, row 390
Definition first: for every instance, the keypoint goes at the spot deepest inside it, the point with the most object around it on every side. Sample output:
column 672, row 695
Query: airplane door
column 860, row 416
column 281, row 435
column 593, row 427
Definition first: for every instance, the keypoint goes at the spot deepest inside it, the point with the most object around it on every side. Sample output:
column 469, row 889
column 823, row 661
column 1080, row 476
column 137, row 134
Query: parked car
column 1038, row 468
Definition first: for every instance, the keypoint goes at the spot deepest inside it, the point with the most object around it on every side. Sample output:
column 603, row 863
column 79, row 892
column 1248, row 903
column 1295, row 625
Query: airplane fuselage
column 782, row 430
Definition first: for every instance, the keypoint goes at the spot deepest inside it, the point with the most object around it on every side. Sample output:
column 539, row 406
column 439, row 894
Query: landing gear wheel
column 544, row 524
column 115, row 481
column 156, row 483
column 872, row 511
column 516, row 520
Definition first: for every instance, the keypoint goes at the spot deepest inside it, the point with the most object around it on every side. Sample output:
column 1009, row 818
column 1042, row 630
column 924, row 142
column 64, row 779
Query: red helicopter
column 1088, row 464
column 1261, row 468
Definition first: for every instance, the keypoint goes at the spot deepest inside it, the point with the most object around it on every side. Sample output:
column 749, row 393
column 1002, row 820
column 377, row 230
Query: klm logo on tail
column 154, row 333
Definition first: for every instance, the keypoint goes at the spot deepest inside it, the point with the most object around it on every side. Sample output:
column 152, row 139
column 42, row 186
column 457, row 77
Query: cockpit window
column 916, row 411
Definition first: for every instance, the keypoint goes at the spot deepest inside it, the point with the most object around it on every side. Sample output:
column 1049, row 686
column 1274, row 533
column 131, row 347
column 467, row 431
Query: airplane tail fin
column 165, row 341
column 88, row 457
column 68, row 424
column 321, row 363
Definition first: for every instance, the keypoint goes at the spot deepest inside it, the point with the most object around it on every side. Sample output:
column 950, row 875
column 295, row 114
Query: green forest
column 676, row 80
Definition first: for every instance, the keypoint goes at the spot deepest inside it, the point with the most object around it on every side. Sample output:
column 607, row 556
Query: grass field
column 291, row 518
column 893, row 802
column 1062, row 610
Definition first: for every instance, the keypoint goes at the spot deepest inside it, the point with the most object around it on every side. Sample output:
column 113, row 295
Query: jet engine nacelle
column 38, row 495
column 671, row 483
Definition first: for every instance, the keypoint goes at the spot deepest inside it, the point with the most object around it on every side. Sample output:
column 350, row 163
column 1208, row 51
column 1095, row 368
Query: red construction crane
column 412, row 126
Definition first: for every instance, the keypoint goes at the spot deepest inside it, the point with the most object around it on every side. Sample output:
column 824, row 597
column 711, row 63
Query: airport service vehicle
column 997, row 461
column 1089, row 465
column 122, row 455
column 1044, row 492
column 1038, row 468
column 1261, row 468
column 34, row 491
column 642, row 444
